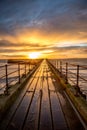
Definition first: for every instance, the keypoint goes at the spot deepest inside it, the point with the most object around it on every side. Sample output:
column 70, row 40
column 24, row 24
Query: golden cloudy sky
column 52, row 28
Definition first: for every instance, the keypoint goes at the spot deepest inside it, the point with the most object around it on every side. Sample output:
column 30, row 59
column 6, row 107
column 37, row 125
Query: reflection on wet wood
column 40, row 107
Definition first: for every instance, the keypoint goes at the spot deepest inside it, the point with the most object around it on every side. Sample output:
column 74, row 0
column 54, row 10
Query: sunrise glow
column 34, row 55
column 43, row 29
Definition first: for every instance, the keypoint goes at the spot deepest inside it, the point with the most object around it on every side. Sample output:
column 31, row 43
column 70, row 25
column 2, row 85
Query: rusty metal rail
column 76, row 75
column 10, row 74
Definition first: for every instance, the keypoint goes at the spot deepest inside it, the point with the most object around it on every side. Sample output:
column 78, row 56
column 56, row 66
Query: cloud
column 58, row 16
column 37, row 25
column 5, row 43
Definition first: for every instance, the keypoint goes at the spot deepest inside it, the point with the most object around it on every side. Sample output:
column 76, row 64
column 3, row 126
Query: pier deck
column 42, row 105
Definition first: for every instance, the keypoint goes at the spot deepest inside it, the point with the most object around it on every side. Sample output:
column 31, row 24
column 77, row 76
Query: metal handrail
column 65, row 69
column 19, row 72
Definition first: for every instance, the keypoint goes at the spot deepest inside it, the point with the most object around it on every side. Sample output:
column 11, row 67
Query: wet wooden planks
column 20, row 114
column 40, row 108
column 59, row 122
column 45, row 117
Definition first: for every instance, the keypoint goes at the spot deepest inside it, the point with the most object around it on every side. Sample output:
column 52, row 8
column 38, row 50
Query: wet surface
column 42, row 105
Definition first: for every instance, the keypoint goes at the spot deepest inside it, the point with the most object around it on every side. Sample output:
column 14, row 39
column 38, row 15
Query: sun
column 34, row 55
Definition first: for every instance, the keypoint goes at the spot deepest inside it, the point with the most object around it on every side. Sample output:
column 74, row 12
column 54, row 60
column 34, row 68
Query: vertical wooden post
column 77, row 76
column 29, row 67
column 6, row 73
column 25, row 69
column 61, row 67
column 57, row 64
column 66, row 73
column 77, row 81
column 19, row 72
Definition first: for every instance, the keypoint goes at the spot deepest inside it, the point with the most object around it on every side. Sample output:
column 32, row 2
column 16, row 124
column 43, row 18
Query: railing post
column 19, row 72
column 6, row 72
column 29, row 67
column 77, row 80
column 77, row 76
column 57, row 64
column 61, row 67
column 66, row 73
column 25, row 69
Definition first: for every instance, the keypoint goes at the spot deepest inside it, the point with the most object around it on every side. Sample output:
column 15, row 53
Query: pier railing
column 75, row 75
column 10, row 74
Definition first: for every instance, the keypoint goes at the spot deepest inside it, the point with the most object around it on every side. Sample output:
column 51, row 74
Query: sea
column 12, row 70
column 72, row 73
column 3, row 62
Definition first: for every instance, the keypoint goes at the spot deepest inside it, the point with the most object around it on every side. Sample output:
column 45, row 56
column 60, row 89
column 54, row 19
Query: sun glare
column 34, row 55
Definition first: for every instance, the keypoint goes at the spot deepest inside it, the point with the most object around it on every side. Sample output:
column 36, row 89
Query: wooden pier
column 42, row 105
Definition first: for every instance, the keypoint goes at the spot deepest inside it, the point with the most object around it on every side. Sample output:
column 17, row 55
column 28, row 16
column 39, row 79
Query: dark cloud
column 12, row 56
column 53, row 15
column 5, row 43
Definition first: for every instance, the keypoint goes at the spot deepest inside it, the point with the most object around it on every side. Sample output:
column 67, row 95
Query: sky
column 52, row 28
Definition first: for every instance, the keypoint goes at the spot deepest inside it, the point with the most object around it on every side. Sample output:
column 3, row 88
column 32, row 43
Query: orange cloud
column 26, row 41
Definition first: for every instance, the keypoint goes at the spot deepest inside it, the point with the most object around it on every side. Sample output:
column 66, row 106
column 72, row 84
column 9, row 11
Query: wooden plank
column 45, row 119
column 33, row 115
column 59, row 122
column 17, row 121
column 19, row 117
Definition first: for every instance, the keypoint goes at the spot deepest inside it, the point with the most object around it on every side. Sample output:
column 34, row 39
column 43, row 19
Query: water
column 72, row 78
column 82, row 61
column 3, row 62
column 72, row 72
column 12, row 70
column 82, row 74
